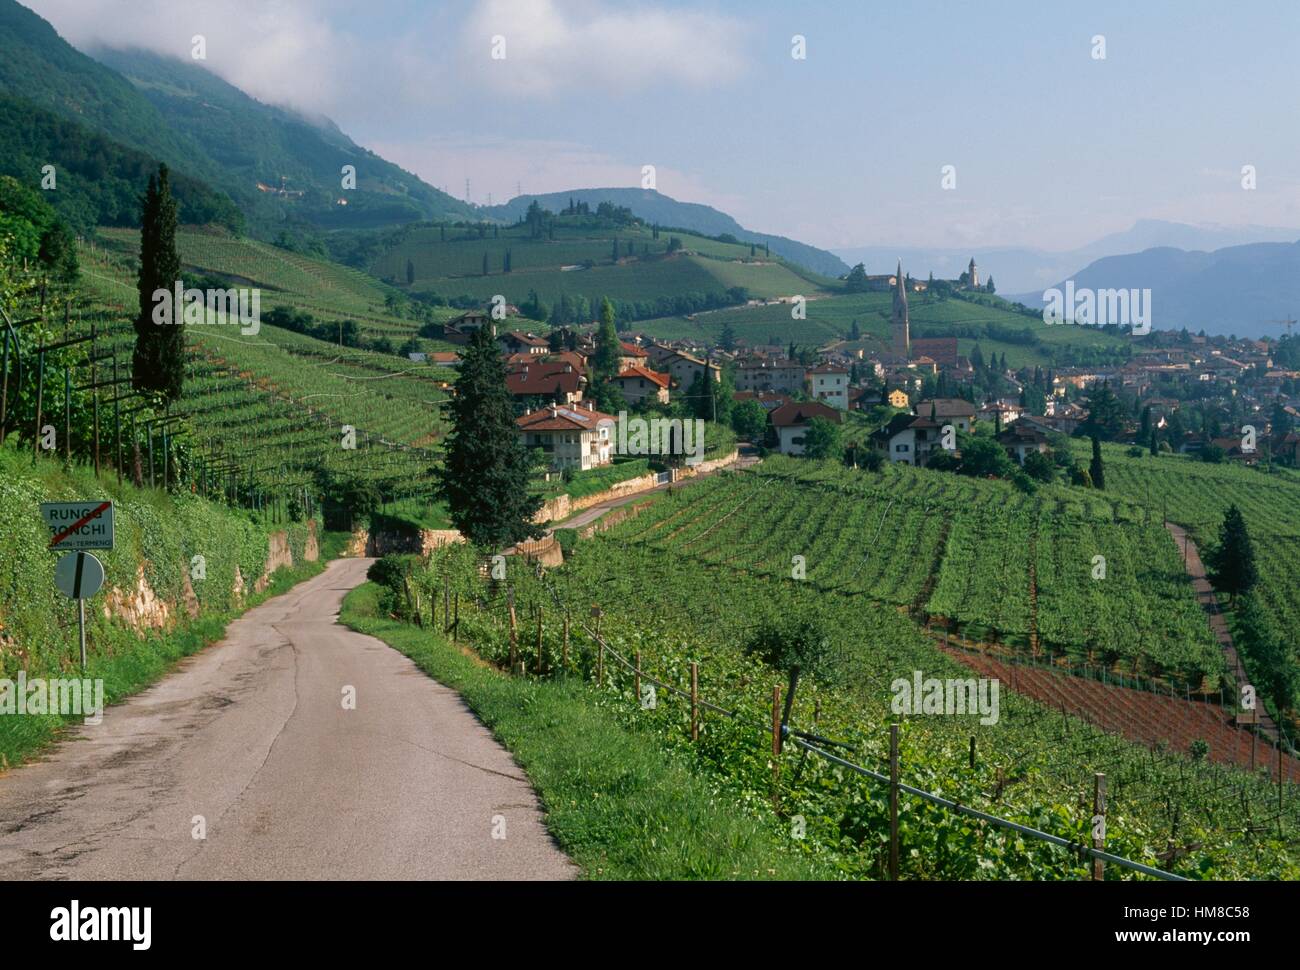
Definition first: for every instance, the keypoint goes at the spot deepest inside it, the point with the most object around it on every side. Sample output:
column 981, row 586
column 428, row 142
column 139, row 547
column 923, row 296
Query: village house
column 1021, row 438
column 518, row 342
column 458, row 330
column 570, row 437
column 639, row 384
column 790, row 423
column 770, row 400
column 685, row 368
column 897, row 398
column 908, row 438
column 830, row 385
column 999, row 413
column 948, row 410
column 630, row 355
column 770, row 374
column 552, row 381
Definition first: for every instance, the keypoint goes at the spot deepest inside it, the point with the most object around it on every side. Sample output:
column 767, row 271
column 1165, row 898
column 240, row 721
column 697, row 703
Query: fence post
column 514, row 632
column 695, row 701
column 636, row 676
column 776, row 745
column 972, row 752
column 1098, row 824
column 893, row 802
column 539, row 640
column 564, row 655
column 446, row 602
column 455, row 622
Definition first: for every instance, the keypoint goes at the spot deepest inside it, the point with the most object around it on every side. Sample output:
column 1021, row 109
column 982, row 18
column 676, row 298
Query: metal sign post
column 78, row 576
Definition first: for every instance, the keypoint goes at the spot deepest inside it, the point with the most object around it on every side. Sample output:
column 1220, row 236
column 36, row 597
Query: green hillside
column 1026, row 340
column 659, row 209
column 576, row 257
column 97, row 180
column 38, row 65
column 251, row 142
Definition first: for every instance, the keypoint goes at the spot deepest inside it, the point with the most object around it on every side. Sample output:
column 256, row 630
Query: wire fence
column 781, row 730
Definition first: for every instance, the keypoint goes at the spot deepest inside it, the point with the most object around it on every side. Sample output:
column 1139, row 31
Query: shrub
column 804, row 642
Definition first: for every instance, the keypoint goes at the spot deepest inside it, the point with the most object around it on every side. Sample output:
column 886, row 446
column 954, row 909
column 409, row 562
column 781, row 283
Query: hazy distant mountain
column 152, row 108
column 1019, row 270
column 1236, row 290
column 254, row 143
column 655, row 207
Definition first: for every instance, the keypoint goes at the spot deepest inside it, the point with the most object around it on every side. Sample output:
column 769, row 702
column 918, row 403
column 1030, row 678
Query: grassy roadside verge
column 621, row 807
column 132, row 663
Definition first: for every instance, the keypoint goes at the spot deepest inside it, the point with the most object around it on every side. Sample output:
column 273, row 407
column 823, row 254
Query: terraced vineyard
column 673, row 592
column 961, row 550
column 1196, row 494
column 275, row 403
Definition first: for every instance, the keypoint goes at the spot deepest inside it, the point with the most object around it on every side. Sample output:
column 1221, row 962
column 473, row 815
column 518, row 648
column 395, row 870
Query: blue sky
column 1052, row 147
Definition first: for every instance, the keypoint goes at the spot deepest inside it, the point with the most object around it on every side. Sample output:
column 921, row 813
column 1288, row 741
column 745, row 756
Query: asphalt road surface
column 252, row 734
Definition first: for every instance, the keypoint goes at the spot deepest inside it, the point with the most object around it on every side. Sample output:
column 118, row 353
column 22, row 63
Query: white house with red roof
column 791, row 421
column 830, row 385
column 640, row 384
column 571, row 437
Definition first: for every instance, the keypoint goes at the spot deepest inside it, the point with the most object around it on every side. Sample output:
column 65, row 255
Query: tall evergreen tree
column 1232, row 561
column 158, row 363
column 410, row 272
column 485, row 472
column 604, row 364
column 1095, row 470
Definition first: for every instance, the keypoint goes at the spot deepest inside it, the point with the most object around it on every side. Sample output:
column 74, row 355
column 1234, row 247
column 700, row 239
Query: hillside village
column 1178, row 392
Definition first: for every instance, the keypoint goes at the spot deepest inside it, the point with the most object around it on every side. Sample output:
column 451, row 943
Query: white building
column 571, row 437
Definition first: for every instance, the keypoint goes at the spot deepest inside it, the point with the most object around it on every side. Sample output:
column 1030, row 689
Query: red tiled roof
column 634, row 372
column 802, row 412
column 556, row 418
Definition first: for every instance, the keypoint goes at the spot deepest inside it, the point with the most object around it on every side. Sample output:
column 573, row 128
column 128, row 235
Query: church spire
column 899, row 325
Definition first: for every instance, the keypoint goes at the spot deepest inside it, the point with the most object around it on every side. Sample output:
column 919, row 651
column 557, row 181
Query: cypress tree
column 1095, row 470
column 158, row 362
column 485, row 473
column 604, row 364
column 1232, row 561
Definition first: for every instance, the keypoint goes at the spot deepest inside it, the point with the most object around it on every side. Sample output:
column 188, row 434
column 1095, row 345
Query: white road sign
column 79, row 525
column 79, row 575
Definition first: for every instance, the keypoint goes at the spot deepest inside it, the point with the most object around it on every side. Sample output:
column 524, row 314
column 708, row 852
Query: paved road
column 747, row 458
column 252, row 735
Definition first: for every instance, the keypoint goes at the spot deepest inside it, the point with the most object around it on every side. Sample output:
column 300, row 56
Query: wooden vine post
column 893, row 802
column 636, row 676
column 539, row 640
column 596, row 611
column 695, row 701
column 776, row 745
column 564, row 650
column 1098, row 824
column 514, row 630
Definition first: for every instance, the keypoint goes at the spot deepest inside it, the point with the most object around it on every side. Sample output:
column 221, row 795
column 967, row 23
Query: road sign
column 79, row 525
column 79, row 575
